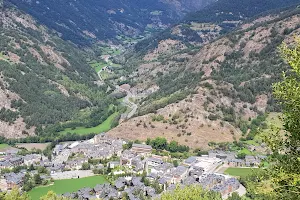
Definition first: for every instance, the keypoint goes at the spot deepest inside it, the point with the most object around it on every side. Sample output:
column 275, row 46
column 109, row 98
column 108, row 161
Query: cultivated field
column 30, row 146
column 67, row 185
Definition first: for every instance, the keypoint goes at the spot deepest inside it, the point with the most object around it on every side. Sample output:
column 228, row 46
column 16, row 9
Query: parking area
column 72, row 174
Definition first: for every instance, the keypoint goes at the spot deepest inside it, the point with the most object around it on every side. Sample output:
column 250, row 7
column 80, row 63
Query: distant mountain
column 44, row 80
column 84, row 21
column 214, row 92
column 215, row 19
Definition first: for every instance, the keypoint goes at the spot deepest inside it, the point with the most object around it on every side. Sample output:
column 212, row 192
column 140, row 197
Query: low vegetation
column 68, row 185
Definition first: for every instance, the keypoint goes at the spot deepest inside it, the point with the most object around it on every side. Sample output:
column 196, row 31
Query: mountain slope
column 210, row 93
column 44, row 80
column 216, row 19
column 89, row 20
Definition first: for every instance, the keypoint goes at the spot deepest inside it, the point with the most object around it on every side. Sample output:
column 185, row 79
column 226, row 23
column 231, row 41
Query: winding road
column 128, row 103
column 126, row 100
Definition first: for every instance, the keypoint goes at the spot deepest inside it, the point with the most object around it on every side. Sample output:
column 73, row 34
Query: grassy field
column 110, row 51
column 105, row 126
column 68, row 185
column 97, row 65
column 4, row 146
column 246, row 151
column 241, row 172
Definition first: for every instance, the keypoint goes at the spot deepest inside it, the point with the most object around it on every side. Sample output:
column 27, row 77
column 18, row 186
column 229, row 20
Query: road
column 126, row 100
column 128, row 103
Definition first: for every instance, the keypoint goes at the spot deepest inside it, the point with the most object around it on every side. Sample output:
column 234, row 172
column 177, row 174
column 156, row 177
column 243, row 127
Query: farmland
column 97, row 66
column 30, row 146
column 67, row 185
column 105, row 126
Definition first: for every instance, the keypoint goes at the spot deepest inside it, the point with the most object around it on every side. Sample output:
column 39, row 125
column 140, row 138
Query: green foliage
column 160, row 143
column 14, row 195
column 285, row 168
column 175, row 163
column 191, row 193
column 8, row 115
column 86, row 166
column 52, row 196
column 37, row 179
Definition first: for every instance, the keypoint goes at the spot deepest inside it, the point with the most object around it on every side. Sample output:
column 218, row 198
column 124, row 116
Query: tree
column 14, row 195
column 175, row 163
column 234, row 196
column 86, row 166
column 173, row 146
column 192, row 193
column 31, row 167
column 37, row 179
column 285, row 169
column 52, row 196
column 159, row 143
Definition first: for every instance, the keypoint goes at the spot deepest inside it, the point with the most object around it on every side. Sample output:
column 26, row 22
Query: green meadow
column 241, row 172
column 105, row 126
column 67, row 185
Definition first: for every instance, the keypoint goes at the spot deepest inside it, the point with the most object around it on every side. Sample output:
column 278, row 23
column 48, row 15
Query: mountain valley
column 149, row 99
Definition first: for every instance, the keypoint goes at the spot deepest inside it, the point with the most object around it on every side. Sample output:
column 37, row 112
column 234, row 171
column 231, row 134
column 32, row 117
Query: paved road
column 126, row 100
column 128, row 103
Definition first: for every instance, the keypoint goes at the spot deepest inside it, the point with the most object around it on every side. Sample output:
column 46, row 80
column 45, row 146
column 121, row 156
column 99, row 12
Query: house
column 113, row 164
column 76, row 164
column 11, row 151
column 138, row 164
column 154, row 162
column 189, row 181
column 16, row 161
column 189, row 161
column 196, row 172
column 211, row 180
column 251, row 161
column 232, row 184
column 12, row 180
column 136, row 181
column 102, row 138
column 236, row 162
column 73, row 145
column 5, row 164
column 56, row 168
column 85, row 193
column 149, row 192
column 141, row 148
column 120, row 183
column 179, row 173
column 32, row 159
column 127, row 157
column 221, row 154
column 162, row 169
column 57, row 149
column 221, row 189
column 152, row 177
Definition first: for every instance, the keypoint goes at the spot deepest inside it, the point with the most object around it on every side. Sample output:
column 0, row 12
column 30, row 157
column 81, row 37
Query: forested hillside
column 84, row 21
column 44, row 80
column 216, row 19
column 220, row 88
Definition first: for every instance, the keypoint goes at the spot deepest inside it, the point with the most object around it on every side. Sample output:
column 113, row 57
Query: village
column 134, row 171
